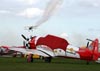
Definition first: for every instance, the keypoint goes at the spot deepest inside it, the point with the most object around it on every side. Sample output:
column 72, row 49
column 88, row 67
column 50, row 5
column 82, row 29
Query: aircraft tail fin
column 94, row 47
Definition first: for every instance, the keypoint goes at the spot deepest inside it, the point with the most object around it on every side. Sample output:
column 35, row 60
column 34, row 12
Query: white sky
column 79, row 19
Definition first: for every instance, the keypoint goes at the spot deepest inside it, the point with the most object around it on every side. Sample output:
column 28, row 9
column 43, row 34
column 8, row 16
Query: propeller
column 88, row 42
column 26, row 43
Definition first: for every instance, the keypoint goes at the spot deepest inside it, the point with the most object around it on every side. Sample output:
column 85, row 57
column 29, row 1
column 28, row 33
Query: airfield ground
column 57, row 64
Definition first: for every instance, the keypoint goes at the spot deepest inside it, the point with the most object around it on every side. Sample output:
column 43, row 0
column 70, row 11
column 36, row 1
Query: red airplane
column 52, row 46
column 4, row 50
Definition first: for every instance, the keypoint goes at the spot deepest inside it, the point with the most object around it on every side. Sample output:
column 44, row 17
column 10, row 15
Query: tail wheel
column 48, row 59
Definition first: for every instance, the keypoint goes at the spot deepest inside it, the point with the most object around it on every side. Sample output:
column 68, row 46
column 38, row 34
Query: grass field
column 57, row 64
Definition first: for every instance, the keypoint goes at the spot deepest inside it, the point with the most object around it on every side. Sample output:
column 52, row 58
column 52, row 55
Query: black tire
column 87, row 63
column 47, row 59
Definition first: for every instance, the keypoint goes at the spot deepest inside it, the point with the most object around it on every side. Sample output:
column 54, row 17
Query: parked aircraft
column 52, row 46
column 4, row 50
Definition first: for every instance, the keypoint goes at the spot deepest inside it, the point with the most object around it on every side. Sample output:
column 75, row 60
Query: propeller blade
column 89, row 39
column 24, row 43
column 24, row 37
column 87, row 44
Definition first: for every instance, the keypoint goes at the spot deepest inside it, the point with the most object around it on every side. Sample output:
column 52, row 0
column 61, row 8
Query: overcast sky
column 77, row 19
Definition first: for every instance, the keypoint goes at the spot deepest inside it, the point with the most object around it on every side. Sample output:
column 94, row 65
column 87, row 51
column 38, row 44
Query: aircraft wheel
column 47, row 59
column 14, row 55
column 29, row 58
column 87, row 62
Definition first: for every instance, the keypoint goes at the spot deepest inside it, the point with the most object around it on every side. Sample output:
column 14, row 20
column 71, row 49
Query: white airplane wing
column 29, row 51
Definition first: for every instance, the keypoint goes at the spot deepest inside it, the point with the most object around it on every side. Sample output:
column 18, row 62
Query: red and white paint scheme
column 5, row 51
column 52, row 46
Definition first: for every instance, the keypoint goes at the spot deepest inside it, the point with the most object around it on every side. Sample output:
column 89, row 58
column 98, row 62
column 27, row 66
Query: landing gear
column 47, row 59
column 30, row 58
column 87, row 63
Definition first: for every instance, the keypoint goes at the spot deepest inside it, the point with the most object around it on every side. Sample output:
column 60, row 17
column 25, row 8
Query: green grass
column 57, row 64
